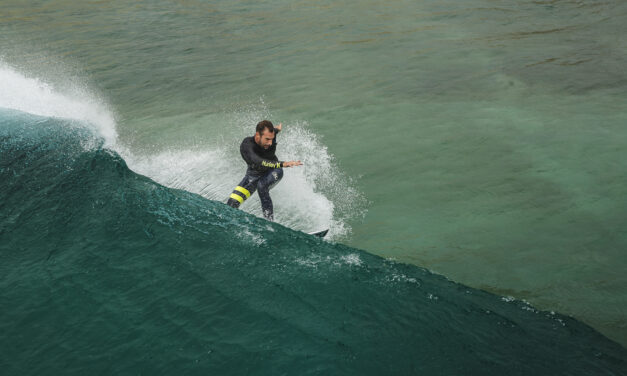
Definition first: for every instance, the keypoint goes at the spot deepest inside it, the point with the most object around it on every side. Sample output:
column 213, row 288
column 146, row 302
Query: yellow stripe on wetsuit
column 243, row 190
column 237, row 197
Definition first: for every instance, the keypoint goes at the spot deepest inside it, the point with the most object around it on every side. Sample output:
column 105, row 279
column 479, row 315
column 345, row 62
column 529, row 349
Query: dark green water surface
column 482, row 140
column 104, row 271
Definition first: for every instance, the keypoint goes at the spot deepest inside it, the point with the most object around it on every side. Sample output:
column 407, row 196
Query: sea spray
column 314, row 197
column 35, row 96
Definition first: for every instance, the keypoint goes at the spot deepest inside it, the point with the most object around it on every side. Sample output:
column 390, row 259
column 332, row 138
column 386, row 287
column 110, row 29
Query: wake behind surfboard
column 319, row 234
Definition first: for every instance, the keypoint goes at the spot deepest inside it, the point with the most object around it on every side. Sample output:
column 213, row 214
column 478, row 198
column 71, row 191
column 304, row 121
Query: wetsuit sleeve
column 252, row 159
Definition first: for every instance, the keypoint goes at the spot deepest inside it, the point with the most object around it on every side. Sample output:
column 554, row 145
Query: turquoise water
column 105, row 271
column 482, row 140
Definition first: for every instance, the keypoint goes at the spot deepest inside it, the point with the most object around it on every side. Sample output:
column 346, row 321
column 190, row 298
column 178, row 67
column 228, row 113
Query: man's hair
column 265, row 124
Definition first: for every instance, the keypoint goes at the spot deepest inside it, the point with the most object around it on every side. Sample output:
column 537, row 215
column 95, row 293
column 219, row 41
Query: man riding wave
column 264, row 168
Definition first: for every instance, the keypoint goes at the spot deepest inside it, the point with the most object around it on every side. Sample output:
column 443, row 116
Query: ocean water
column 481, row 140
column 105, row 271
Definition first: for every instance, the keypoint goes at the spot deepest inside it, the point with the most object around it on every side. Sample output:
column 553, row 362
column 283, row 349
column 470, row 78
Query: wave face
column 103, row 270
column 317, row 197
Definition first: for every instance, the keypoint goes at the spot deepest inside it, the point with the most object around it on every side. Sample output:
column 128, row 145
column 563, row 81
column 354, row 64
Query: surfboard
column 319, row 234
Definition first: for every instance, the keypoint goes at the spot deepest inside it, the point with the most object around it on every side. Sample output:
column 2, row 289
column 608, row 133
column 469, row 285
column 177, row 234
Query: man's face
column 265, row 139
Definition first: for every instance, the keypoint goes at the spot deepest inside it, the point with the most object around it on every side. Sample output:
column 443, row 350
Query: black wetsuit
column 264, row 172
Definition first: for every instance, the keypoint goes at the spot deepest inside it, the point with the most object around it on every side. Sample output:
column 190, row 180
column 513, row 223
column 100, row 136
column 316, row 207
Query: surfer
column 264, row 168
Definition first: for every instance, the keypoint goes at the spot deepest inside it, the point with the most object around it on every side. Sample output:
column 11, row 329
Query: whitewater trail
column 313, row 197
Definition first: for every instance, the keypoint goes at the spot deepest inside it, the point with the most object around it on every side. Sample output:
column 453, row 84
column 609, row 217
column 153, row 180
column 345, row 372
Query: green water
column 483, row 140
column 105, row 271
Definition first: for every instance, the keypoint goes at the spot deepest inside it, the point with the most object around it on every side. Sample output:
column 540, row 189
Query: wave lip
column 107, row 271
column 34, row 96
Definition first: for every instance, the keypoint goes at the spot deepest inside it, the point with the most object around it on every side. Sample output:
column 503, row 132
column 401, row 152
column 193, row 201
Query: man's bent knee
column 271, row 179
column 277, row 173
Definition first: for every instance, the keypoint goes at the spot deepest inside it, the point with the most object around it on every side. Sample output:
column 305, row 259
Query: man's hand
column 292, row 163
column 279, row 126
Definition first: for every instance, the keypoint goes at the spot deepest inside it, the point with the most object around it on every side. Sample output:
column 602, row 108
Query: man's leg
column 244, row 190
column 267, row 182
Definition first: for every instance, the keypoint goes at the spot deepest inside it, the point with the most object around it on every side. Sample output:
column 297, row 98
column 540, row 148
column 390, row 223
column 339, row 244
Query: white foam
column 352, row 259
column 314, row 260
column 311, row 197
column 254, row 239
column 197, row 171
column 34, row 96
